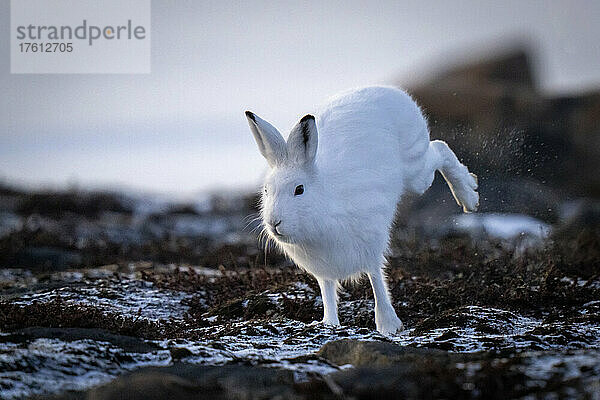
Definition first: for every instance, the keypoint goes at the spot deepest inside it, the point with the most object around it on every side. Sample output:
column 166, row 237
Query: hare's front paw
column 388, row 323
column 331, row 321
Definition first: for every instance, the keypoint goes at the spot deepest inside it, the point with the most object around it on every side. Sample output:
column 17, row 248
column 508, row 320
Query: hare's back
column 377, row 130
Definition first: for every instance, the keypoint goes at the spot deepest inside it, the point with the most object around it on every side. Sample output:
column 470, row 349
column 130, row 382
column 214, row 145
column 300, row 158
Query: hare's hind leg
column 329, row 296
column 463, row 184
column 386, row 319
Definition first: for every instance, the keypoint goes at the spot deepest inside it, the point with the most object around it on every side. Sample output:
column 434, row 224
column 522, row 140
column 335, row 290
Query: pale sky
column 181, row 129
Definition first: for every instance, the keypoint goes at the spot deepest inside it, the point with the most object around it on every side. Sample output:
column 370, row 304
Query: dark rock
column 177, row 353
column 186, row 381
column 149, row 386
column 386, row 370
column 379, row 354
column 128, row 343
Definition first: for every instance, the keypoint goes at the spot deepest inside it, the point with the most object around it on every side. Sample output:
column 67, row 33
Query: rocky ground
column 105, row 295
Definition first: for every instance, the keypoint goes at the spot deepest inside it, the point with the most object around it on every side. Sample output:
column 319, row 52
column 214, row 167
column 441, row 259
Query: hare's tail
column 463, row 184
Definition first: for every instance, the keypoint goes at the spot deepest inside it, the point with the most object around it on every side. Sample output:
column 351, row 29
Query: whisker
column 252, row 218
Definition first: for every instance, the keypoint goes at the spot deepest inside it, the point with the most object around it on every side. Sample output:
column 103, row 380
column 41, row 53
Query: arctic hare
column 331, row 193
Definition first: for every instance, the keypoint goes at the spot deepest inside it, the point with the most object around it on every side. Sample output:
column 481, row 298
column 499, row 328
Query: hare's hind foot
column 462, row 183
column 465, row 191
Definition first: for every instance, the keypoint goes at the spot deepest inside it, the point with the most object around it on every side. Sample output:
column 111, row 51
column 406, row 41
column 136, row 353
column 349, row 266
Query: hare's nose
column 274, row 226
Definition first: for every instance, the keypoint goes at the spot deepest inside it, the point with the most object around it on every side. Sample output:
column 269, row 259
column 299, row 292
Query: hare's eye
column 299, row 190
column 265, row 190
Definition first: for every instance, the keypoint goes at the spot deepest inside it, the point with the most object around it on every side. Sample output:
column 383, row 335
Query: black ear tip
column 307, row 117
column 250, row 115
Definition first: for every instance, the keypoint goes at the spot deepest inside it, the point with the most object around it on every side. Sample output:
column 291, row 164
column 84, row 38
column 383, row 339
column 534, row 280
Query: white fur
column 368, row 147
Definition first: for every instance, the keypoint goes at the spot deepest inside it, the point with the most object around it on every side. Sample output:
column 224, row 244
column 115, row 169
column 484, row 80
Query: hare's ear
column 302, row 142
column 270, row 142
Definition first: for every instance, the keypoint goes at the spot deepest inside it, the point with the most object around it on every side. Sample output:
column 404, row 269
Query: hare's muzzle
column 273, row 227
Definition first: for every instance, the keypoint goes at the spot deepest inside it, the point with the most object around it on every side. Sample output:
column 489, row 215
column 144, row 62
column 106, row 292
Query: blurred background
column 128, row 204
column 495, row 79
